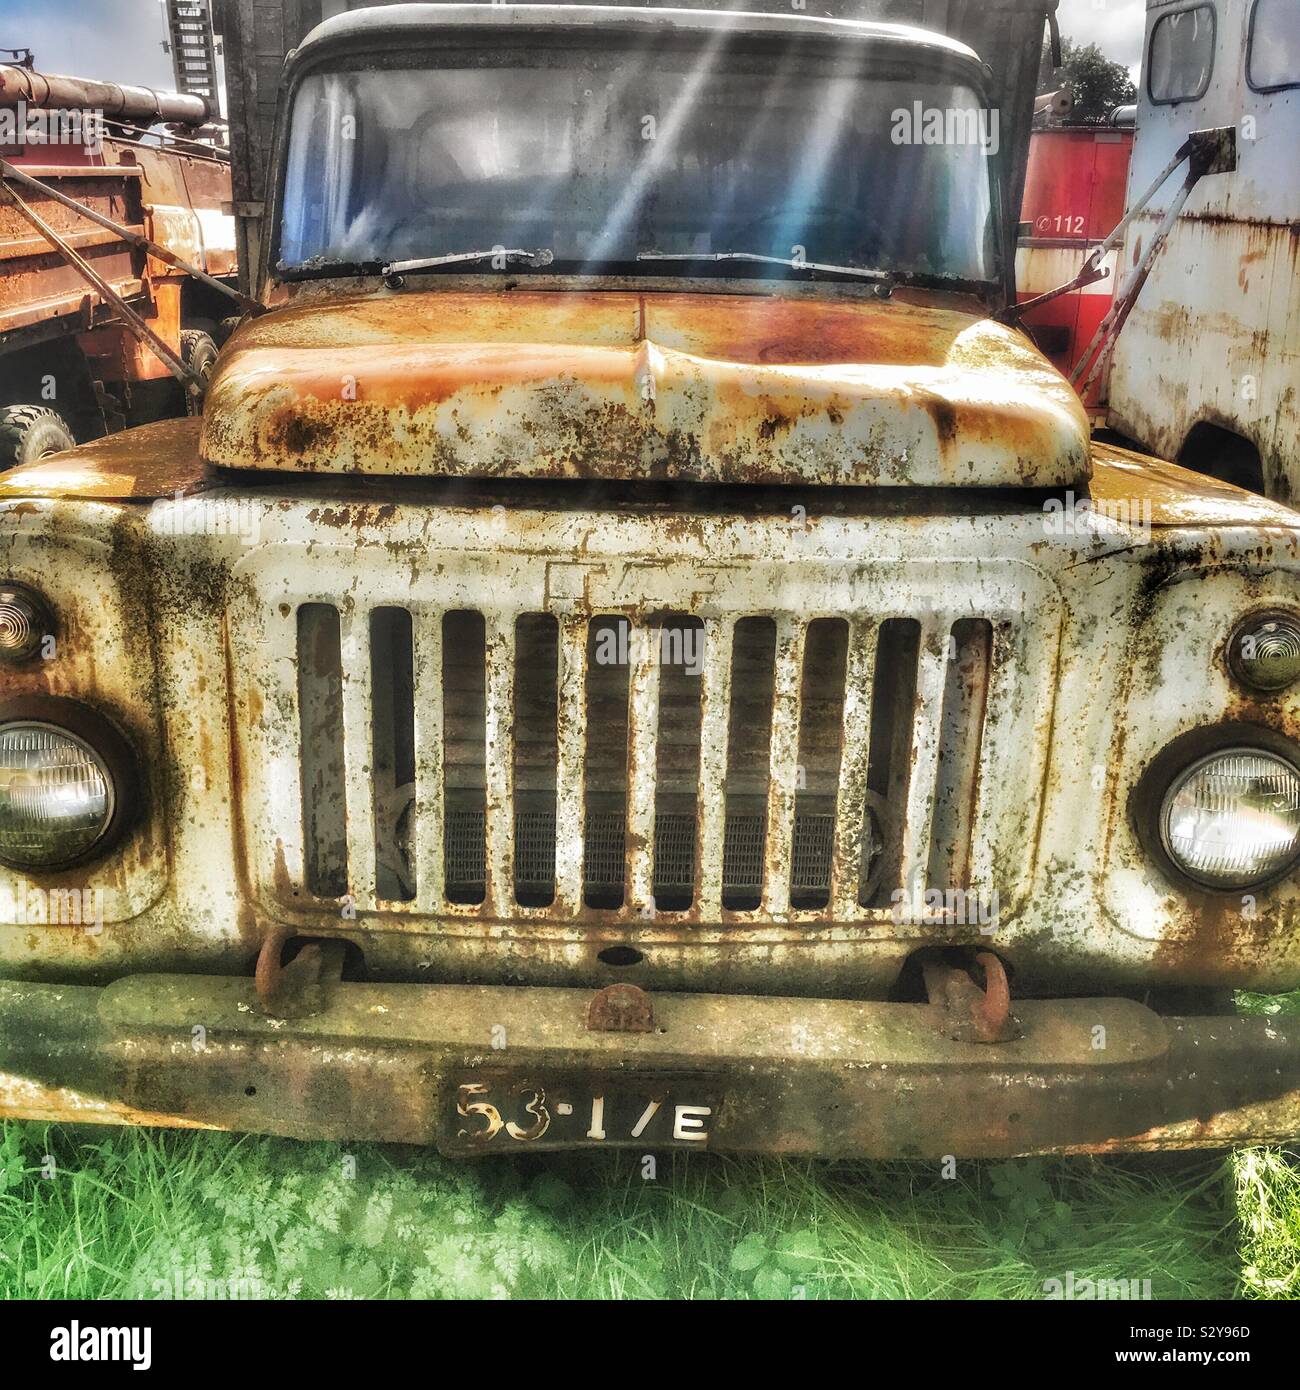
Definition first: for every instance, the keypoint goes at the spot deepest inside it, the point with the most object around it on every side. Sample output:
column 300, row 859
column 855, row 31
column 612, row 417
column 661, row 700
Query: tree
column 1097, row 83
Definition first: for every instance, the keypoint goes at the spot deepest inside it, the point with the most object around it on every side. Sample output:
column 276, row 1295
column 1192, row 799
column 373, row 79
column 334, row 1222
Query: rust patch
column 621, row 1008
column 725, row 388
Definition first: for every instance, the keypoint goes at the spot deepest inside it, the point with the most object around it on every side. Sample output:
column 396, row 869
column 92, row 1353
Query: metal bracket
column 964, row 1011
column 621, row 1008
column 301, row 987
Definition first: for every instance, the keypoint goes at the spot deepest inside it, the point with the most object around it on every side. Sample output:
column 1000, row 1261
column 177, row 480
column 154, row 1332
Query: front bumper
column 795, row 1076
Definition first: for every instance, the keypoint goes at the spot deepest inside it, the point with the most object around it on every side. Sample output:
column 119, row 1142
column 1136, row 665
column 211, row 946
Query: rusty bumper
column 834, row 1078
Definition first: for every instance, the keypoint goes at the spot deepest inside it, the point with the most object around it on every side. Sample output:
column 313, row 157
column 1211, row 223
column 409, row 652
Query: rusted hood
column 706, row 387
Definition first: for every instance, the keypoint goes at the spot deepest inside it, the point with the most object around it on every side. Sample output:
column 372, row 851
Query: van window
column 1182, row 55
column 1273, row 57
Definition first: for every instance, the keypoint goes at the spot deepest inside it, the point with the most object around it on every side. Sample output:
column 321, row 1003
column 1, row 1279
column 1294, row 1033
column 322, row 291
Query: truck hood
column 726, row 388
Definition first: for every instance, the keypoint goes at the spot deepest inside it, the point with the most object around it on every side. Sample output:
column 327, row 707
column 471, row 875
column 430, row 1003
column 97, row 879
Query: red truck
column 73, row 364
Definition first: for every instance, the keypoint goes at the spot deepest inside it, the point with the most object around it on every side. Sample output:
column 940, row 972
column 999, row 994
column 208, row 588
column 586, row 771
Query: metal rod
column 138, row 239
column 1090, row 272
column 1108, row 329
column 168, row 140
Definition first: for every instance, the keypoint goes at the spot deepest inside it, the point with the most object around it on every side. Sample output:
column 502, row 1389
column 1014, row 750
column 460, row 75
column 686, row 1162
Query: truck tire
column 199, row 353
column 30, row 432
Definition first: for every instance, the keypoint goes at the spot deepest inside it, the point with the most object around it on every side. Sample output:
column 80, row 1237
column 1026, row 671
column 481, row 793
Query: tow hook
column 621, row 1008
column 299, row 988
column 964, row 1010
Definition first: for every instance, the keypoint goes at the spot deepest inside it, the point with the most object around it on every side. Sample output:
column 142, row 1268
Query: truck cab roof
column 388, row 20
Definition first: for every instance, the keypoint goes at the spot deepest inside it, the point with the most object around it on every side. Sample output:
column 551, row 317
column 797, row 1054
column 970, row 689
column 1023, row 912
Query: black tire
column 226, row 327
column 199, row 353
column 31, row 432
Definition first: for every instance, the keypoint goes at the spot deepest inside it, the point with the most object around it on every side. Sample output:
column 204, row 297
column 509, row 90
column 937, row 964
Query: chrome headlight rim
column 1173, row 765
column 109, row 747
column 1234, row 660
column 15, row 594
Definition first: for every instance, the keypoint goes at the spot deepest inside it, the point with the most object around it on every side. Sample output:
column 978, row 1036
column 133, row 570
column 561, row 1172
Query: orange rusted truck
column 84, row 354
column 634, row 651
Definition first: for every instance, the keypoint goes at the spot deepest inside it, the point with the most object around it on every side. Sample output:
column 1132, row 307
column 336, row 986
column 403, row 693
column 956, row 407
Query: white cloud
column 1115, row 26
column 116, row 40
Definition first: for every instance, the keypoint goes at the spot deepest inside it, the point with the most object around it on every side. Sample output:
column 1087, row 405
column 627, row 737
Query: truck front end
column 635, row 654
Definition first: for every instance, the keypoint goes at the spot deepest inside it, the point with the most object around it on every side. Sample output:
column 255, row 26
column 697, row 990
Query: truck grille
column 541, row 763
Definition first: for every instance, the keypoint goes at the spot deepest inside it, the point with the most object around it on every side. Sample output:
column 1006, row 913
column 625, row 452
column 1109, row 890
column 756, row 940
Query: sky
column 121, row 40
column 1115, row 26
column 118, row 40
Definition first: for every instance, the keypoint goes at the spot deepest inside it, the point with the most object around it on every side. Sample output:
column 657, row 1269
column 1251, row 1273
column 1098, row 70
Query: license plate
column 513, row 1113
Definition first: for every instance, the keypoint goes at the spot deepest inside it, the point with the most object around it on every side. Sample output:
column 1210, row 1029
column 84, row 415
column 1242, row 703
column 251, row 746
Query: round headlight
column 1232, row 819
column 1264, row 652
column 56, row 796
column 25, row 622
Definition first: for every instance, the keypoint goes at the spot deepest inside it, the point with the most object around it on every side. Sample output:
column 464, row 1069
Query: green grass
column 140, row 1213
column 95, row 1213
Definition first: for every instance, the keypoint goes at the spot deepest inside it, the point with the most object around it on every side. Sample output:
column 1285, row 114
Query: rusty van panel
column 708, row 388
column 1215, row 339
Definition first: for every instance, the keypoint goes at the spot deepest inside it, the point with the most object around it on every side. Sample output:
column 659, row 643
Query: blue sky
column 121, row 40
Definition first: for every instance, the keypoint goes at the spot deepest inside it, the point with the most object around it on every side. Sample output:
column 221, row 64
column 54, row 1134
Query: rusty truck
column 636, row 650
column 92, row 323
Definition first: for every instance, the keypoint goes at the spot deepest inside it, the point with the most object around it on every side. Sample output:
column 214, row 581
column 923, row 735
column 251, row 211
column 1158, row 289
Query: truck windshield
column 600, row 155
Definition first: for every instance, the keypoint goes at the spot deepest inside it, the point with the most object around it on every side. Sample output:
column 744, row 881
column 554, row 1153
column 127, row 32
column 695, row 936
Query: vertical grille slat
column 642, row 748
column 783, row 777
column 931, row 675
column 571, row 740
column 855, row 751
column 320, row 731
column 499, row 737
column 358, row 758
column 429, row 814
column 992, row 744
column 715, row 711
column 960, row 737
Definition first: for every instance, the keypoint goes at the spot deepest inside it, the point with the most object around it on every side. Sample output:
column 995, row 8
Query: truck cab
column 635, row 652
column 1206, row 370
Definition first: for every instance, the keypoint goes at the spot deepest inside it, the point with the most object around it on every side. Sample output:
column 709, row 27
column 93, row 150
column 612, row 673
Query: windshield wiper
column 319, row 268
column 396, row 269
column 882, row 277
